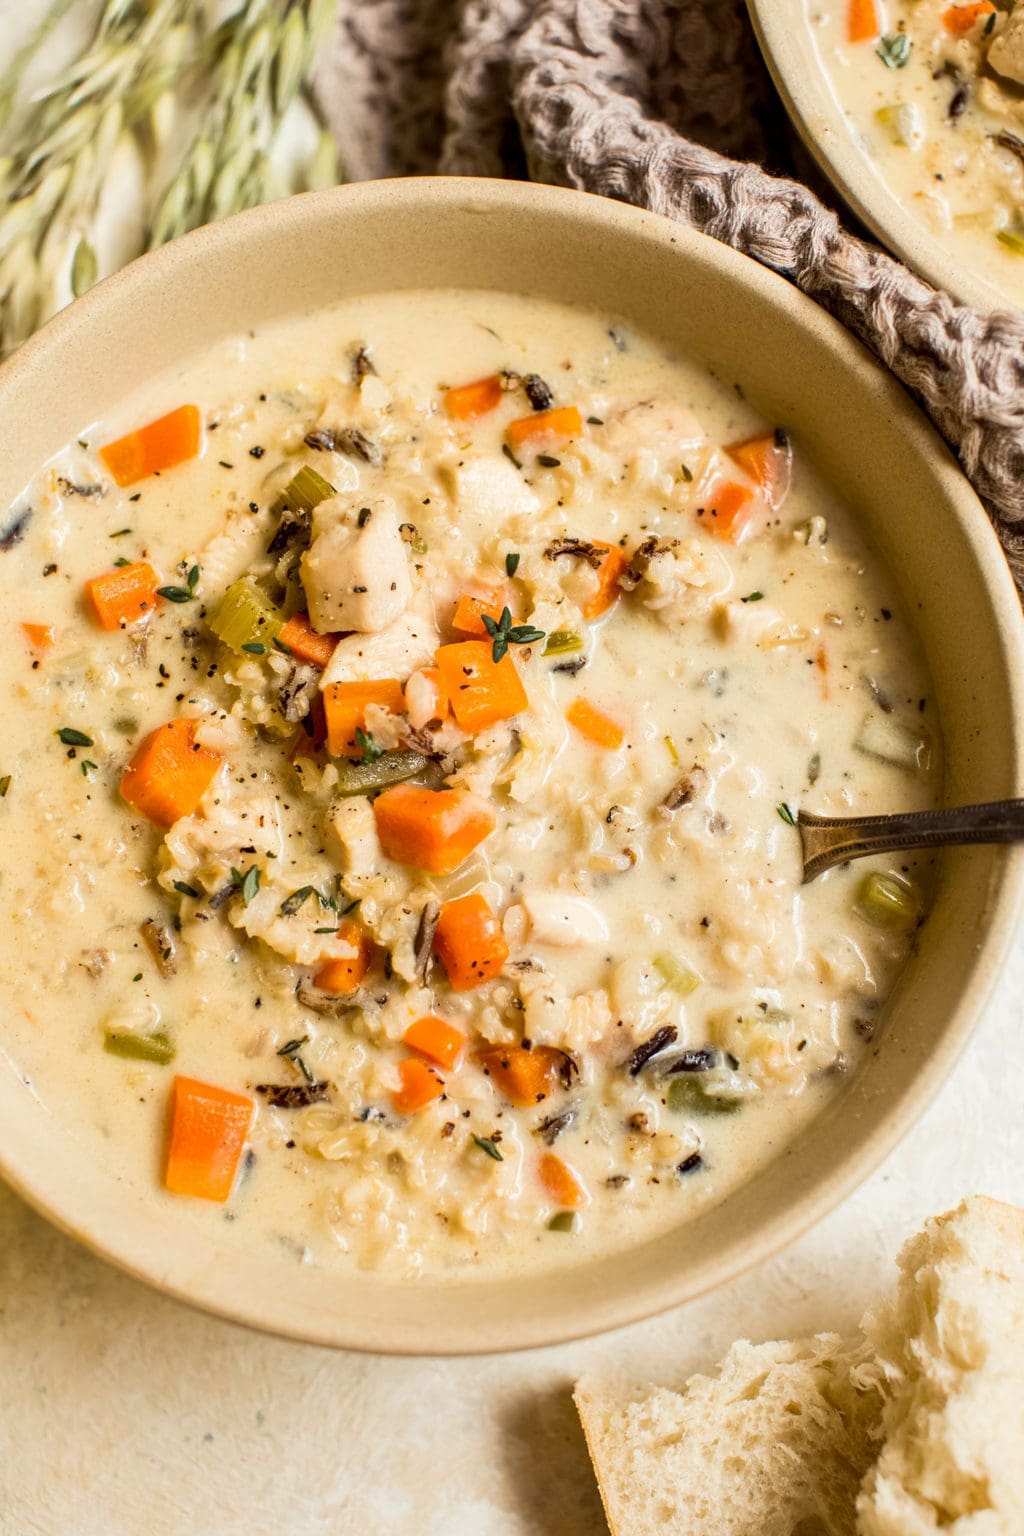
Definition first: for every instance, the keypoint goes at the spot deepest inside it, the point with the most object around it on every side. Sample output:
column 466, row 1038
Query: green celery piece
column 157, row 1047
column 1013, row 239
column 686, row 1096
column 566, row 1221
column 562, row 642
column 677, row 974
column 303, row 492
column 889, row 902
column 246, row 615
column 391, row 768
column 900, row 123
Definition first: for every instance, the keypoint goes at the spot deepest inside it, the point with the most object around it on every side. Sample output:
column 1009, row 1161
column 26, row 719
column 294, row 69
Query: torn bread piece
column 913, row 1428
column 775, row 1443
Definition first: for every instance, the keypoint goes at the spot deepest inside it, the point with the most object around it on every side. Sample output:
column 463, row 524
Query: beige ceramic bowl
column 801, row 368
column 786, row 37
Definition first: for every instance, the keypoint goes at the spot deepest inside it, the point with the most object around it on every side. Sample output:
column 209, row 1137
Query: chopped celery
column 677, row 974
column 246, row 616
column 888, row 901
column 901, row 122
column 156, row 1047
column 390, row 768
column 303, row 492
column 1012, row 238
column 686, row 1096
column 566, row 1221
column 884, row 737
column 561, row 642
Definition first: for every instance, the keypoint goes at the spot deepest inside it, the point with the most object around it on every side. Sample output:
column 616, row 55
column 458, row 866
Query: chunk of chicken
column 355, row 828
column 356, row 578
column 398, row 650
column 230, row 553
column 558, row 918
column 486, row 488
column 1006, row 53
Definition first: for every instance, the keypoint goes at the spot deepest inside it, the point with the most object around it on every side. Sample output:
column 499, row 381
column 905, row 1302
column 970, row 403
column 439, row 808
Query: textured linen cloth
column 667, row 104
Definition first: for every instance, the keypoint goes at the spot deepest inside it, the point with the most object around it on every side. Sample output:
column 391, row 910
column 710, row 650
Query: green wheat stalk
column 56, row 151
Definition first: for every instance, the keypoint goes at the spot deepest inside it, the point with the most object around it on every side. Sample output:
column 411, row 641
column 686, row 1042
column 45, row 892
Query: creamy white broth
column 748, row 705
column 945, row 127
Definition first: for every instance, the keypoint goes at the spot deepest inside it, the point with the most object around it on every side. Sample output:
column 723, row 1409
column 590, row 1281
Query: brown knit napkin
column 664, row 103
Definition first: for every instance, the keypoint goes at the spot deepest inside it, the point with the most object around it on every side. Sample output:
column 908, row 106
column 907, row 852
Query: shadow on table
column 547, row 1463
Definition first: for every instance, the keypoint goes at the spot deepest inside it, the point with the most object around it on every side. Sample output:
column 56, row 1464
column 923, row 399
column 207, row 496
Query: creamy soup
column 399, row 774
column 935, row 95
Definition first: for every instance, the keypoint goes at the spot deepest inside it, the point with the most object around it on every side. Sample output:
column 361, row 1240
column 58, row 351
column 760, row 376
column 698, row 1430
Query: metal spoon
column 828, row 840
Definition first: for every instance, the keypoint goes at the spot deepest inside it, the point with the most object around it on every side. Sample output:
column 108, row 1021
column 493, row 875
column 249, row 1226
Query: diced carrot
column 768, row 460
column 345, row 706
column 468, row 401
column 169, row 773
column 303, row 641
column 309, row 741
column 525, row 1075
column 436, row 1039
column 208, row 1130
column 419, row 1087
column 425, row 697
column 39, row 636
column 161, row 444
column 959, row 19
column 480, row 692
column 727, row 510
column 595, row 726
column 469, row 942
column 562, row 1183
column 612, row 565
column 468, row 610
column 340, row 974
column 559, row 421
column 862, row 21
column 124, row 595
column 431, row 829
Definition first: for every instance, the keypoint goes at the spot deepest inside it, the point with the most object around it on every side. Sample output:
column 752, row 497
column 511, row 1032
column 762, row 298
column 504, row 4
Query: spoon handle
column 828, row 840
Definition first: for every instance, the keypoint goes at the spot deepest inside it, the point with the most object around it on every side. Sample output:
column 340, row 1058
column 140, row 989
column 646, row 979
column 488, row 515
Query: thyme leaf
column 184, row 889
column 786, row 813
column 369, row 748
column 72, row 738
column 249, row 883
column 486, row 1144
column 183, row 594
column 504, row 633
column 894, row 50
column 292, row 903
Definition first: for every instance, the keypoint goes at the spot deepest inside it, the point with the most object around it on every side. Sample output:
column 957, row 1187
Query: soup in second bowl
column 935, row 96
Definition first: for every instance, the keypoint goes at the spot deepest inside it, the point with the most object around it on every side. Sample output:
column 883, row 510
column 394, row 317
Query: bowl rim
column 784, row 37
column 170, row 1271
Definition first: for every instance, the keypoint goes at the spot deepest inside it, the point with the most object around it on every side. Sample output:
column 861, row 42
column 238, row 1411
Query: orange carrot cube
column 208, row 1130
column 159, row 445
column 431, row 829
column 169, row 773
column 469, row 942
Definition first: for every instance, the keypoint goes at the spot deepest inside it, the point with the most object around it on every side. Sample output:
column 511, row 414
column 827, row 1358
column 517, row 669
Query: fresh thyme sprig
column 504, row 633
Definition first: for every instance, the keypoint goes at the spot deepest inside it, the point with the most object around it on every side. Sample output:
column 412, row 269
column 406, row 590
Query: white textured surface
column 122, row 1412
